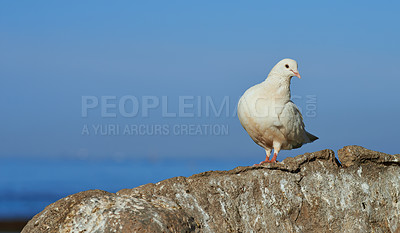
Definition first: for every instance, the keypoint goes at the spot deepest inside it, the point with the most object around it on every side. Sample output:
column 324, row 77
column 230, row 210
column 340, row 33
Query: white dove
column 269, row 116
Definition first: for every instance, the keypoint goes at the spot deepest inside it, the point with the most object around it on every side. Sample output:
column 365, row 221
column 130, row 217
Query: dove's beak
column 296, row 73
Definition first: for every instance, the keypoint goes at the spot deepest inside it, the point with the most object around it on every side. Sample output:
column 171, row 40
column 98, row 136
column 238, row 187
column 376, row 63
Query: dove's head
column 287, row 68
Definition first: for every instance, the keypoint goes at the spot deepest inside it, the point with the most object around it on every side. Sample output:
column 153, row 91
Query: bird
column 269, row 116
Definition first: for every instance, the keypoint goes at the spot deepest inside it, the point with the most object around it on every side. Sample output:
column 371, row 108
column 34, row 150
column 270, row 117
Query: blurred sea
column 28, row 185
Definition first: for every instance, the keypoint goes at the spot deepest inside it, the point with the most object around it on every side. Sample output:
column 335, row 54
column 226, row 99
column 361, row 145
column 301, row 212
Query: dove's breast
column 258, row 116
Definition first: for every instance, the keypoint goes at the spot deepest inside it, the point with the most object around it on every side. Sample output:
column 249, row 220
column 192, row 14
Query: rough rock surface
column 308, row 193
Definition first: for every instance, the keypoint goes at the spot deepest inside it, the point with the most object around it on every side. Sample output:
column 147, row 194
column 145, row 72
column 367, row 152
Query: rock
column 307, row 193
column 356, row 155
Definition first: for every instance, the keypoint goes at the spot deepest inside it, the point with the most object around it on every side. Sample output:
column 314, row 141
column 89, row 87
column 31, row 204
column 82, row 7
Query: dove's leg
column 277, row 148
column 268, row 153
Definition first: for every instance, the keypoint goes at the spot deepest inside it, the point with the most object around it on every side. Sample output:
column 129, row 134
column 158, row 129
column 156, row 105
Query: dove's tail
column 311, row 137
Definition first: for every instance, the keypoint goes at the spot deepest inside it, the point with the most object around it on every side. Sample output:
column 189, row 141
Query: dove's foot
column 266, row 161
column 273, row 160
column 262, row 162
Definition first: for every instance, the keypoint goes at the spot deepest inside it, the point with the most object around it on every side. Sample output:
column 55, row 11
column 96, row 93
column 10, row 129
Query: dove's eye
column 287, row 66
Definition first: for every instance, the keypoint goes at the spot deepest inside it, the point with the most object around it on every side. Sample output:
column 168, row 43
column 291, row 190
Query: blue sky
column 52, row 53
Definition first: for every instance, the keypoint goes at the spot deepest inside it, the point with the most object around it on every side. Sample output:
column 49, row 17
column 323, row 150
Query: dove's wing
column 292, row 126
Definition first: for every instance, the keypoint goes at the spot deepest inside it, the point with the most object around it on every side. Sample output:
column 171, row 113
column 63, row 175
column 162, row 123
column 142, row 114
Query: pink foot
column 273, row 160
column 262, row 162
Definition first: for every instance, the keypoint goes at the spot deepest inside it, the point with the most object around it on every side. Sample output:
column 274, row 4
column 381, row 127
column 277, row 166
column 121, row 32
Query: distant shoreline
column 12, row 224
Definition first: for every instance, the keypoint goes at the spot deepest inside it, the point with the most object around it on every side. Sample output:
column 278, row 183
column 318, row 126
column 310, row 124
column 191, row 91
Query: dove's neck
column 279, row 85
